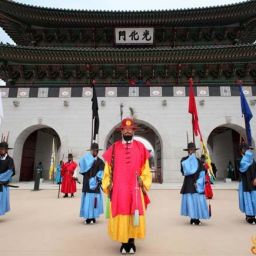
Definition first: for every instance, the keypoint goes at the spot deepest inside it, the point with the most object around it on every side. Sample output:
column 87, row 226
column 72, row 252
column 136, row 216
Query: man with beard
column 126, row 179
column 91, row 167
column 68, row 182
column 7, row 170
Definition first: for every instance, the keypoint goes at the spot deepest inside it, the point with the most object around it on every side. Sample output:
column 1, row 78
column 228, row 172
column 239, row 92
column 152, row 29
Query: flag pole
column 121, row 111
column 92, row 86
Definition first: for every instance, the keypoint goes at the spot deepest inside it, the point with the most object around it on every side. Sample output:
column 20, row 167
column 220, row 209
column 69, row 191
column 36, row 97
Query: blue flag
column 247, row 115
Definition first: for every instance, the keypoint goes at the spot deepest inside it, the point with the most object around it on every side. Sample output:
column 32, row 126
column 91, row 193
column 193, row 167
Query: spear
column 121, row 111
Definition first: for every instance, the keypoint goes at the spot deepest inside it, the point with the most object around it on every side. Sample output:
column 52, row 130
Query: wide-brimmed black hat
column 94, row 146
column 4, row 145
column 245, row 146
column 191, row 146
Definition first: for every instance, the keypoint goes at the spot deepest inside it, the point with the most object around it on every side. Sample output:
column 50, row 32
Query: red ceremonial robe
column 208, row 187
column 129, row 161
column 68, row 183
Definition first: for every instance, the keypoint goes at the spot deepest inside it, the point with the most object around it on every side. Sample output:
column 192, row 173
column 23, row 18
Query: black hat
column 191, row 145
column 244, row 146
column 4, row 145
column 94, row 146
column 70, row 155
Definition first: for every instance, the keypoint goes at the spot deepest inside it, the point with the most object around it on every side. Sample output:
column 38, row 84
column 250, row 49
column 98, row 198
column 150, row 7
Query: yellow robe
column 120, row 228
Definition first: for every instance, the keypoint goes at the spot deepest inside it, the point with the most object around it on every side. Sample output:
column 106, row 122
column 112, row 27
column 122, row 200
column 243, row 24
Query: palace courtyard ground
column 42, row 225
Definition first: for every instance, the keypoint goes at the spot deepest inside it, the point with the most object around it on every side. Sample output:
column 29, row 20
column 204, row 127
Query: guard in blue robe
column 58, row 177
column 193, row 202
column 247, row 184
column 7, row 170
column 91, row 167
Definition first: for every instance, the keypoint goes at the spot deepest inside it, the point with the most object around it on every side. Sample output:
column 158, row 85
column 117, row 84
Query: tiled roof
column 44, row 55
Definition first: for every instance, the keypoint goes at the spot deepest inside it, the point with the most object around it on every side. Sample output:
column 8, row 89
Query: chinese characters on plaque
column 134, row 35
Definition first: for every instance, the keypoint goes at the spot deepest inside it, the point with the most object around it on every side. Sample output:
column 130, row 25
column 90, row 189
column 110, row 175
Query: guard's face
column 191, row 151
column 94, row 152
column 127, row 132
column 3, row 151
column 70, row 159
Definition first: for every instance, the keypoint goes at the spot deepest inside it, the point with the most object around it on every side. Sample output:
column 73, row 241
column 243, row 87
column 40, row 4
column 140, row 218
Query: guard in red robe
column 68, row 181
column 126, row 180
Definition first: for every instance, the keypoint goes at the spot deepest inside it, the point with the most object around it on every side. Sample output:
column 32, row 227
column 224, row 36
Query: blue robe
column 4, row 194
column 193, row 203
column 58, row 177
column 91, row 200
column 246, row 191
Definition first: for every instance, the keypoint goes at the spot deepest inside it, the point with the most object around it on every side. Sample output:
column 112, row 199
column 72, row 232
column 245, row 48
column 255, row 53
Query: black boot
column 250, row 219
column 93, row 220
column 132, row 247
column 66, row 195
column 198, row 222
column 72, row 195
column 192, row 222
column 124, row 249
column 88, row 221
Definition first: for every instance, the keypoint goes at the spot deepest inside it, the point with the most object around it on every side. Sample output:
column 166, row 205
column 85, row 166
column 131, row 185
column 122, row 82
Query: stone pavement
column 42, row 225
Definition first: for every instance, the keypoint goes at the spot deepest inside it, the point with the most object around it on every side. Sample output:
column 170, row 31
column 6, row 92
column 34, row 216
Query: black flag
column 95, row 114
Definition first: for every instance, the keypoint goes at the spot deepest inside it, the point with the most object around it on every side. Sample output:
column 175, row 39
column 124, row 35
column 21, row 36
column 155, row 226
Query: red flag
column 193, row 110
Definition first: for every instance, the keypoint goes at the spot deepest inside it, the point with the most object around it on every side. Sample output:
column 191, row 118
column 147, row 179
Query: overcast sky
column 120, row 5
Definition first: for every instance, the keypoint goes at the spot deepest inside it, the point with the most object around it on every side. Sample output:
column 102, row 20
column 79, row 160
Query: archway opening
column 223, row 144
column 152, row 141
column 37, row 148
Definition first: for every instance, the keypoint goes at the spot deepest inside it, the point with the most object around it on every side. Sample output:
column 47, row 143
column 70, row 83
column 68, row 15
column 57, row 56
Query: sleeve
column 75, row 172
column 99, row 175
column 6, row 176
column 146, row 176
column 108, row 154
column 86, row 162
column 106, row 181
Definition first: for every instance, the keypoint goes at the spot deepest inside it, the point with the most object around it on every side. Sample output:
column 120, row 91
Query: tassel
column 210, row 209
column 95, row 202
column 136, row 219
column 107, row 211
column 146, row 200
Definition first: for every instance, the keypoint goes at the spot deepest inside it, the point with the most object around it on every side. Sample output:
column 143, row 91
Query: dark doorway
column 37, row 148
column 28, row 158
column 224, row 148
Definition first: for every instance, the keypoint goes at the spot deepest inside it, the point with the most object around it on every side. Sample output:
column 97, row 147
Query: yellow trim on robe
column 120, row 228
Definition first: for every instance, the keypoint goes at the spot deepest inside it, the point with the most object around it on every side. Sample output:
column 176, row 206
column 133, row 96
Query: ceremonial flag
column 192, row 109
column 208, row 160
column 247, row 114
column 95, row 114
column 53, row 161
